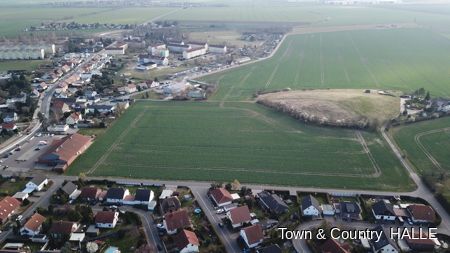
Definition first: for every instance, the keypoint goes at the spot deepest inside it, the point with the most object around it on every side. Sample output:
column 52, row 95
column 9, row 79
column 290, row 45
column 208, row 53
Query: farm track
column 424, row 149
column 274, row 71
column 116, row 143
column 322, row 68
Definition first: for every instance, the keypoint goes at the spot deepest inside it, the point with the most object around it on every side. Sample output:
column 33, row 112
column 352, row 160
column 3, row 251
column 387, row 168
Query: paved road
column 228, row 238
column 43, row 201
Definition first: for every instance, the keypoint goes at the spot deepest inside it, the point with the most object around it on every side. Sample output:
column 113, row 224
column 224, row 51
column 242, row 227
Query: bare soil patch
column 335, row 107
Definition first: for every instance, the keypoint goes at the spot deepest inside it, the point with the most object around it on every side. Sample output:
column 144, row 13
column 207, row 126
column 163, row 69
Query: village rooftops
column 184, row 238
column 240, row 215
column 254, row 234
column 422, row 213
column 221, row 196
column 62, row 227
column 332, row 246
column 35, row 222
column 383, row 207
column 105, row 217
column 177, row 220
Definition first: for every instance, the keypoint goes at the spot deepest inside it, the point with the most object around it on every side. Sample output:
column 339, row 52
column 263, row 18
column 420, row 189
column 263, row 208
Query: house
column 170, row 204
column 272, row 203
column 21, row 196
column 350, row 210
column 176, row 221
column 9, row 127
column 59, row 107
column 159, row 50
column 421, row 213
column 116, row 195
column 332, row 246
column 143, row 196
column 253, row 236
column 186, row 242
column 71, row 190
column 145, row 59
column 90, row 193
column 64, row 151
column 217, row 49
column 129, row 88
column 74, row 118
column 106, row 219
column 194, row 52
column 221, row 196
column 9, row 117
column 61, row 229
column 61, row 128
column 418, row 244
column 327, row 209
column 383, row 210
column 77, row 237
column 273, row 248
column 116, row 48
column 177, row 47
column 384, row 244
column 37, row 183
column 165, row 194
column 310, row 206
column 102, row 109
column 8, row 206
column 238, row 216
column 33, row 226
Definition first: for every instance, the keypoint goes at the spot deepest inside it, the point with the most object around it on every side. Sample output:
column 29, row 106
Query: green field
column 245, row 141
column 400, row 59
column 428, row 137
column 21, row 65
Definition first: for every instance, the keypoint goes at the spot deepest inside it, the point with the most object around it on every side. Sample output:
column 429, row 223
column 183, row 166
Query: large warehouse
column 26, row 51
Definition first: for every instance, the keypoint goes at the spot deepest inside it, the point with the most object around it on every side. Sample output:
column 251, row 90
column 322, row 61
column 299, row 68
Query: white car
column 220, row 211
column 19, row 218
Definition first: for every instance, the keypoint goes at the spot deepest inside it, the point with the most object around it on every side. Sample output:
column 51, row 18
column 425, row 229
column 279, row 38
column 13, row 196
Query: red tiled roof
column 422, row 212
column 105, row 217
column 331, row 246
column 254, row 234
column 62, row 227
column 176, row 220
column 221, row 195
column 90, row 192
column 35, row 222
column 240, row 214
column 184, row 238
column 7, row 206
column 9, row 125
column 425, row 242
column 68, row 148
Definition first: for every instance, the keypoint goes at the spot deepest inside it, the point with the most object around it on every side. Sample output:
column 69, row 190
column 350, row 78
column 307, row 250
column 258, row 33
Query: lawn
column 244, row 141
column 400, row 59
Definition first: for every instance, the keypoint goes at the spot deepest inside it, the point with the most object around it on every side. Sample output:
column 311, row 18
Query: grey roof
column 310, row 201
column 142, row 195
column 115, row 193
column 69, row 188
column 384, row 240
column 37, row 180
column 270, row 249
column 170, row 204
column 350, row 208
column 272, row 202
column 383, row 207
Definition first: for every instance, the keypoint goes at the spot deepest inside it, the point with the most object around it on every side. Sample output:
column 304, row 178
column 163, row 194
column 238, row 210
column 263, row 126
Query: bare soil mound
column 335, row 107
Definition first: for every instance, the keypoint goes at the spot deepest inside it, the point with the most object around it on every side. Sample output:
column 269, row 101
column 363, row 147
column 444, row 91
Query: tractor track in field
column 273, row 172
column 425, row 150
column 275, row 70
column 243, row 80
column 377, row 172
column 322, row 68
column 116, row 143
column 364, row 61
